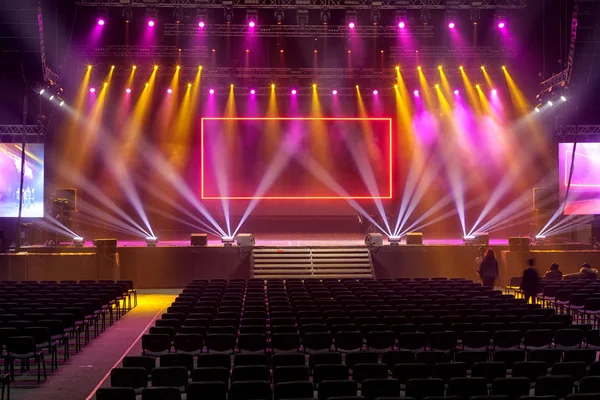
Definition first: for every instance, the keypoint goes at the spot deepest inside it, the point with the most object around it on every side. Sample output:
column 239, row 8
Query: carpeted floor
column 78, row 378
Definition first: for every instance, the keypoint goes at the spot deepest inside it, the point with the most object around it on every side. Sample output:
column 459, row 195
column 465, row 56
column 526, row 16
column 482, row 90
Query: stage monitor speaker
column 69, row 194
column 199, row 239
column 518, row 243
column 414, row 238
column 245, row 240
column 374, row 240
column 105, row 246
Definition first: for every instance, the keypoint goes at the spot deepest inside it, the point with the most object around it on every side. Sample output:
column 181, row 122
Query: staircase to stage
column 311, row 262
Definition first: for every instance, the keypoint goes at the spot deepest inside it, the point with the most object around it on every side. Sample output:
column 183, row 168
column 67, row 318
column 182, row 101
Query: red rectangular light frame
column 388, row 196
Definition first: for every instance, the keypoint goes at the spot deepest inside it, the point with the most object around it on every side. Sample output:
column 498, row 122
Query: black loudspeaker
column 545, row 199
column 105, row 246
column 414, row 238
column 69, row 194
column 518, row 243
column 199, row 239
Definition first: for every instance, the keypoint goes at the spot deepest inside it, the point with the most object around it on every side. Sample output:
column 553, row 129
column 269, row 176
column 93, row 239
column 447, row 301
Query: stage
column 174, row 263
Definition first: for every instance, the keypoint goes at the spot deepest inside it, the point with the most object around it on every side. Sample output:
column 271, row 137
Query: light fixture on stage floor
column 245, row 240
column 374, row 240
column 78, row 241
column 478, row 239
column 151, row 241
column 394, row 240
column 227, row 241
column 414, row 238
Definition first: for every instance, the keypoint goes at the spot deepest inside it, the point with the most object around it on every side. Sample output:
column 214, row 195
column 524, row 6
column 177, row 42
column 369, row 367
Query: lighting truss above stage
column 143, row 51
column 316, row 4
column 14, row 130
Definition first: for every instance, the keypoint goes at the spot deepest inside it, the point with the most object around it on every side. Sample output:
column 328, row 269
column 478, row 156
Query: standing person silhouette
column 488, row 269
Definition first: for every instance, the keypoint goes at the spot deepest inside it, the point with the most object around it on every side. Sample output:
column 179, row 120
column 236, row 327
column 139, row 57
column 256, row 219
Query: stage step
column 311, row 262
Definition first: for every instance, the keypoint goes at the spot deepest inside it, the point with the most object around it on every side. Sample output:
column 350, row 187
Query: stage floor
column 293, row 240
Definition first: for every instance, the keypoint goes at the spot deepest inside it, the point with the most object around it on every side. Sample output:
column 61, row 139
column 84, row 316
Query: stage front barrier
column 59, row 266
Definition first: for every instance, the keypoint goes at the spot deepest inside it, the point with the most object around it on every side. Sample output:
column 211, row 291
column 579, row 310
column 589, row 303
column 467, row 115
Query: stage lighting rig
column 127, row 13
column 151, row 16
column 251, row 18
column 178, row 14
column 325, row 16
column 101, row 16
column 279, row 16
column 78, row 241
column 201, row 17
column 401, row 19
column 394, row 240
column 228, row 15
column 425, row 16
column 375, row 16
column 227, row 241
column 351, row 18
column 302, row 18
column 500, row 20
column 475, row 15
column 151, row 241
column 450, row 18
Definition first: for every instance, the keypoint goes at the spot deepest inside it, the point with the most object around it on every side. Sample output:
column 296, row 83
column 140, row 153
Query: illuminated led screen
column 584, row 191
column 10, row 180
column 296, row 158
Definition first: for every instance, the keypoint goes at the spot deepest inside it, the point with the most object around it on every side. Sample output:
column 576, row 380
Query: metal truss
column 314, row 4
column 578, row 130
column 558, row 80
column 451, row 52
column 291, row 74
column 143, row 51
column 312, row 31
column 16, row 130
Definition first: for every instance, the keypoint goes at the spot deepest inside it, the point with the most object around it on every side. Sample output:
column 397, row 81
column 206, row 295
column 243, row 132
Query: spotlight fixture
column 437, row 85
column 78, row 241
column 375, row 16
column 151, row 16
column 439, row 67
column 475, row 15
column 456, row 92
column 504, row 67
column 419, row 67
column 189, row 85
column 52, row 97
column 169, row 90
column 201, row 17
column 325, row 16
column 272, row 86
column 133, row 67
column 62, row 103
column 102, row 16
column 151, row 241
column 211, row 91
column 252, row 91
column 302, row 18
column 416, row 93
column 228, row 15
column 92, row 90
column 550, row 103
column 451, row 25
column 334, row 91
column 500, row 20
column 127, row 13
column 494, row 92
column 375, row 92
column 314, row 85
column 127, row 90
column 294, row 91
column 89, row 66
column 279, row 16
column 251, row 18
column 227, row 241
column 450, row 17
column 483, row 67
column 394, row 240
column 401, row 18
column 178, row 14
column 563, row 98
column 42, row 91
column 461, row 67
column 425, row 16
column 351, row 18
column 537, row 109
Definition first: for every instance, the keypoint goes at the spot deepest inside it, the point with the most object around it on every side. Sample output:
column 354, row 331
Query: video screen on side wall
column 32, row 194
column 580, row 165
column 296, row 158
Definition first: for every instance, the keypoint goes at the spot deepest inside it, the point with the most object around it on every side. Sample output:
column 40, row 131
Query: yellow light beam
column 471, row 95
column 487, row 78
column 73, row 125
column 426, row 90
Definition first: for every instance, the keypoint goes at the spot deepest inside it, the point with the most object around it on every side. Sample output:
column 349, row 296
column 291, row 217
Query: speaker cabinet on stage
column 105, row 246
column 414, row 238
column 245, row 240
column 69, row 194
column 518, row 243
column 374, row 240
column 199, row 239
